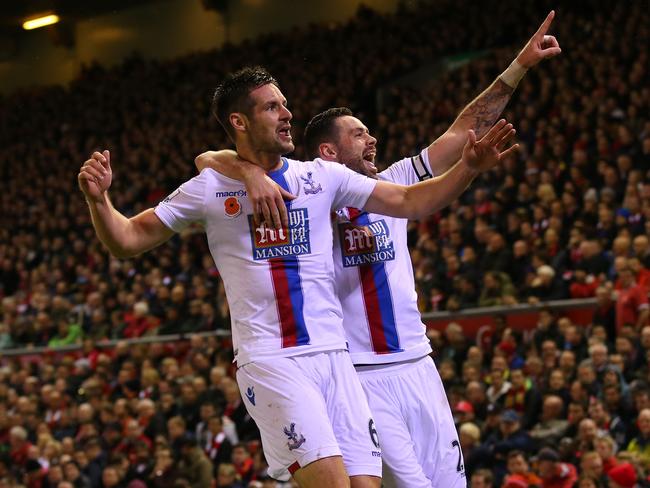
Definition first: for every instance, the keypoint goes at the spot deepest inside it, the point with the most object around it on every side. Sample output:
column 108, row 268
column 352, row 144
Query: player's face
column 269, row 128
column 355, row 146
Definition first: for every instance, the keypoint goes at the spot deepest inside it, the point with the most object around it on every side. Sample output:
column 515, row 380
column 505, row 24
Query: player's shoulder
column 416, row 166
column 387, row 174
column 313, row 169
column 313, row 164
column 212, row 177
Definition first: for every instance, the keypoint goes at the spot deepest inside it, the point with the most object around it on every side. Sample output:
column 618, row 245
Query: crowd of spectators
column 565, row 400
column 154, row 117
column 157, row 415
column 569, row 216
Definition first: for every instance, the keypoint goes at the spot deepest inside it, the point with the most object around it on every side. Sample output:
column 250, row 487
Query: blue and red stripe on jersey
column 377, row 298
column 287, row 285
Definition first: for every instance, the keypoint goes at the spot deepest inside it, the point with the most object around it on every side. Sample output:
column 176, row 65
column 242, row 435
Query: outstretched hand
column 540, row 46
column 95, row 176
column 486, row 153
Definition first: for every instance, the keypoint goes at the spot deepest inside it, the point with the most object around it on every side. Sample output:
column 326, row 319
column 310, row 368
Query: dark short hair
column 514, row 453
column 548, row 454
column 321, row 129
column 233, row 94
column 486, row 474
column 188, row 439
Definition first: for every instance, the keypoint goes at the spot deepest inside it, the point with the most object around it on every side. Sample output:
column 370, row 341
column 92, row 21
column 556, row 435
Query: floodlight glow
column 40, row 22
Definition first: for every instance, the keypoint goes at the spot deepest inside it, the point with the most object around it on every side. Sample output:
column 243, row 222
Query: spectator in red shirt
column 605, row 446
column 139, row 321
column 623, row 476
column 243, row 463
column 555, row 474
column 641, row 272
column 605, row 313
column 18, row 445
column 519, row 471
column 584, row 285
column 132, row 434
column 34, row 474
column 632, row 302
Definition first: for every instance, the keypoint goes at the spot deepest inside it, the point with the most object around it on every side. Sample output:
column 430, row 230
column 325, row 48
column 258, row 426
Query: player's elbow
column 120, row 255
column 120, row 252
column 211, row 159
column 123, row 248
column 201, row 161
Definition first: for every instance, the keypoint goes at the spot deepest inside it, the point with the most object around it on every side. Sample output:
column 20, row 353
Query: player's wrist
column 100, row 200
column 469, row 169
column 513, row 74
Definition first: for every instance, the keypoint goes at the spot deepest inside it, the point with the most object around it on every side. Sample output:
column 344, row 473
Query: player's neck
column 265, row 160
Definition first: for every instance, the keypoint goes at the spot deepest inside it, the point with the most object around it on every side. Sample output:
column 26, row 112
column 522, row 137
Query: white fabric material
column 242, row 251
column 321, row 397
column 416, row 429
column 386, row 248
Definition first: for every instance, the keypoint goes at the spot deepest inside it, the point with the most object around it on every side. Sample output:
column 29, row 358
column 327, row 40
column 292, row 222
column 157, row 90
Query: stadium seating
column 558, row 220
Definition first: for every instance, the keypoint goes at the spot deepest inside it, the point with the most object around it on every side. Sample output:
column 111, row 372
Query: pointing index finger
column 546, row 24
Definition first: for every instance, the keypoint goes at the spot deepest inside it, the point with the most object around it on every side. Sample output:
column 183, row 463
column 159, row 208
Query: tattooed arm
column 483, row 111
column 479, row 115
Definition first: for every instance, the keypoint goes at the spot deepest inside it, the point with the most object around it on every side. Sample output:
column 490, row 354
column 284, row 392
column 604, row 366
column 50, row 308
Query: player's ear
column 238, row 121
column 328, row 150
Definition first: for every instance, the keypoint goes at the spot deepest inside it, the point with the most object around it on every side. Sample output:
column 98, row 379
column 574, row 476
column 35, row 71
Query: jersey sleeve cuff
column 367, row 191
column 167, row 218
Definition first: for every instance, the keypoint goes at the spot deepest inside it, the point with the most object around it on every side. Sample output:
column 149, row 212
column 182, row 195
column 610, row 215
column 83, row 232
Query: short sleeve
column 185, row 205
column 351, row 189
column 409, row 171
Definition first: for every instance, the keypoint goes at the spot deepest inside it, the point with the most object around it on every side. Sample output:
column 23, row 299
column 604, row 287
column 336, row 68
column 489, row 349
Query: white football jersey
column 374, row 278
column 279, row 283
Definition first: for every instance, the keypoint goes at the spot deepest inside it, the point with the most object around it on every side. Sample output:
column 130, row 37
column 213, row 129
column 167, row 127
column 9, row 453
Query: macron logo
column 250, row 394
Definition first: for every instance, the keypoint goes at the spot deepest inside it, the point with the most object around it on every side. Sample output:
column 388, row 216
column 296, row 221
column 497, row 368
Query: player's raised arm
column 266, row 196
column 485, row 109
column 425, row 198
column 122, row 236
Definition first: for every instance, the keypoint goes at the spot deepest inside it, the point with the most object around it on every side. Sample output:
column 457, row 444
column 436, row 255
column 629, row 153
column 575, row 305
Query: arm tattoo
column 484, row 110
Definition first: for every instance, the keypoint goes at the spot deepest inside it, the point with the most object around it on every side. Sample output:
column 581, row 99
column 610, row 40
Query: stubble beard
column 271, row 145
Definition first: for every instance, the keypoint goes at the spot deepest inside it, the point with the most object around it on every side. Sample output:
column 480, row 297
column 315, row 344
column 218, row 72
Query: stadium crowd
column 567, row 217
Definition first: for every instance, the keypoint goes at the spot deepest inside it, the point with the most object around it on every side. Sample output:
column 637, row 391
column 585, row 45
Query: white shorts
column 420, row 446
column 308, row 408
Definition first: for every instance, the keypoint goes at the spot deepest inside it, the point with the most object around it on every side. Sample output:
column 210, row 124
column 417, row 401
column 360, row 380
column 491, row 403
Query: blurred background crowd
column 567, row 217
